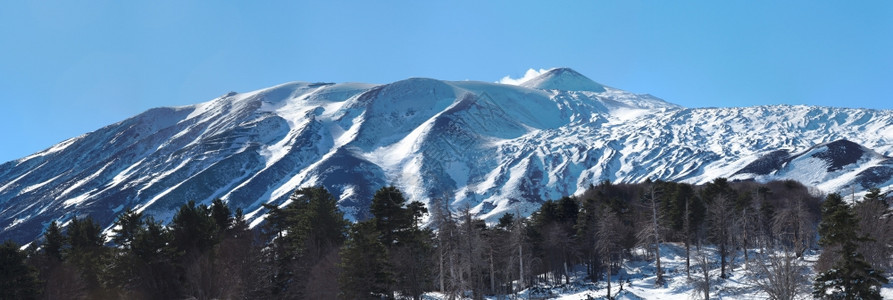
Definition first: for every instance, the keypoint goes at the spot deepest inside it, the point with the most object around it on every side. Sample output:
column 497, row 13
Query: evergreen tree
column 58, row 279
column 194, row 230
column 17, row 279
column 364, row 264
column 87, row 254
column 314, row 229
column 407, row 244
column 390, row 215
column 53, row 242
column 122, row 272
column 221, row 214
column 194, row 233
column 126, row 227
column 154, row 259
column 407, row 249
column 850, row 277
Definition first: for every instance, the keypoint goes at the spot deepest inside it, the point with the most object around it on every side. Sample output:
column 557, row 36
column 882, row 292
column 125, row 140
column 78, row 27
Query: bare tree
column 779, row 274
column 794, row 226
column 701, row 285
column 652, row 233
column 608, row 235
column 720, row 215
column 442, row 219
column 518, row 242
column 876, row 223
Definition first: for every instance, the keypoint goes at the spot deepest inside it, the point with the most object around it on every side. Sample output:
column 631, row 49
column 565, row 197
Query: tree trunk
column 660, row 276
column 608, row 278
column 745, row 236
column 521, row 265
column 686, row 226
column 492, row 273
column 440, row 265
column 722, row 258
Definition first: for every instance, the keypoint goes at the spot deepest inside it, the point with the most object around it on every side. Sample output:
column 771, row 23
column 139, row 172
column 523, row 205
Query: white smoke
column 530, row 74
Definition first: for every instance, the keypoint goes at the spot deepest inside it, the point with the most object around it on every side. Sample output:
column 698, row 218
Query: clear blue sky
column 70, row 67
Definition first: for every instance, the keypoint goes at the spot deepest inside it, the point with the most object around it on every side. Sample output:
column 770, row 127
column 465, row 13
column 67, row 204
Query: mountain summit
column 564, row 79
column 493, row 148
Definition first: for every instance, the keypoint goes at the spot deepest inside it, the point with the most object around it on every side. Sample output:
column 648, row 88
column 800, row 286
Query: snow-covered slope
column 835, row 166
column 489, row 146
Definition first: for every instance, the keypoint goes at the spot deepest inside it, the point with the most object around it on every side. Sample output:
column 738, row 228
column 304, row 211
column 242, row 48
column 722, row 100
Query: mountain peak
column 565, row 79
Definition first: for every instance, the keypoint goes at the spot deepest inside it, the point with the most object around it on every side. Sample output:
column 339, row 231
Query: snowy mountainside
column 834, row 166
column 492, row 147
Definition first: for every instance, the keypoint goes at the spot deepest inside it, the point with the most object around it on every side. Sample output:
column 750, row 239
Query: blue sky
column 70, row 67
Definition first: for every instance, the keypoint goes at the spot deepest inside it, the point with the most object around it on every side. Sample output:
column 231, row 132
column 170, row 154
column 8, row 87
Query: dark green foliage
column 221, row 214
column 307, row 230
column 505, row 221
column 597, row 202
column 126, row 227
column 307, row 250
column 411, row 262
column 194, row 230
column 552, row 235
column 317, row 222
column 364, row 264
column 17, row 279
column 406, row 265
column 851, row 277
column 86, row 252
column 392, row 216
column 838, row 226
column 138, row 269
column 53, row 242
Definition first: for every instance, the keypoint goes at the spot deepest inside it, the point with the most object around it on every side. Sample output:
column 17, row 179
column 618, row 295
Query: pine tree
column 407, row 244
column 390, row 215
column 720, row 214
column 364, row 265
column 154, row 259
column 315, row 228
column 17, row 279
column 195, row 234
column 87, row 253
column 126, row 226
column 53, row 242
column 123, row 269
column 194, row 230
column 850, row 277
column 58, row 278
column 222, row 215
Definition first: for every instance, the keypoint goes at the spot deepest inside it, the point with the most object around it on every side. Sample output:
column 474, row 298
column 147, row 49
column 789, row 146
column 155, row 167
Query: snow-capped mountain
column 488, row 146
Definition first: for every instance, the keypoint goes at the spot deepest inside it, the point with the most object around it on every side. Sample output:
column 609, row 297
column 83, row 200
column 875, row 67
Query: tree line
column 306, row 249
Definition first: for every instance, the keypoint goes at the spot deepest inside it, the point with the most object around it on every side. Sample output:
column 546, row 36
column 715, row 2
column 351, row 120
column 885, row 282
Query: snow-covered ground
column 638, row 276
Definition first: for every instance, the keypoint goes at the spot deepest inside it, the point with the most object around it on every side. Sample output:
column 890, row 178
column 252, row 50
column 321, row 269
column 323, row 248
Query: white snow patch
column 77, row 200
column 16, row 222
column 39, row 185
column 86, row 180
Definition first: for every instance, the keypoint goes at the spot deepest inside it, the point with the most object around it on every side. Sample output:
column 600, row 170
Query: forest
column 306, row 249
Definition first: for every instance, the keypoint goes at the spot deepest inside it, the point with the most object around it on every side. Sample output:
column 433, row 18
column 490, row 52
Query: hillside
column 488, row 146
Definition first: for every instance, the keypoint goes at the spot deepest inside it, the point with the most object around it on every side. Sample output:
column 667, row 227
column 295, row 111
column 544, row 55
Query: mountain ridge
column 491, row 147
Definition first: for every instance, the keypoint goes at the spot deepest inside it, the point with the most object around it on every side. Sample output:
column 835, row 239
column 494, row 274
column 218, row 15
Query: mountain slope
column 492, row 147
